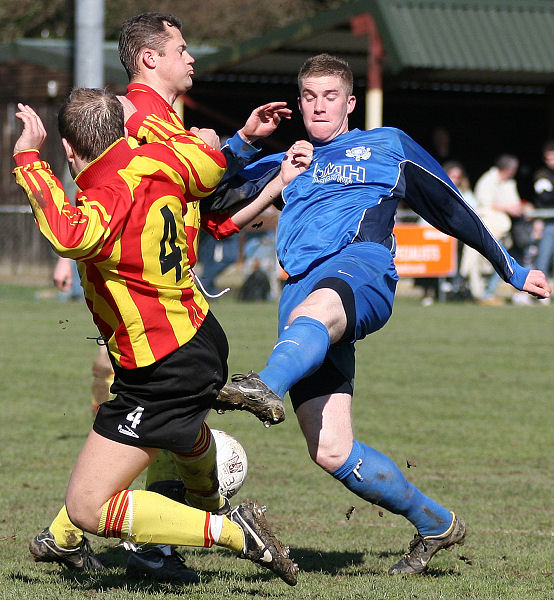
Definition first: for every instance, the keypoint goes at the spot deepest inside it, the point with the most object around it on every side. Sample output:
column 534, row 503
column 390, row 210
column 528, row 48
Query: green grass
column 464, row 392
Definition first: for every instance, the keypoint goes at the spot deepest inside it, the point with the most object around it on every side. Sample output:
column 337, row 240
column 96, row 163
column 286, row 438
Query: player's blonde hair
column 323, row 65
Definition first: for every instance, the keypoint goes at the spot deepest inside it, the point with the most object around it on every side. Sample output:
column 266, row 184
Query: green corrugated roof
column 504, row 36
column 500, row 36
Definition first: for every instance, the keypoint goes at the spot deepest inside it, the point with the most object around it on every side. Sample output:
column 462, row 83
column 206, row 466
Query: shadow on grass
column 113, row 578
column 18, row 577
column 332, row 563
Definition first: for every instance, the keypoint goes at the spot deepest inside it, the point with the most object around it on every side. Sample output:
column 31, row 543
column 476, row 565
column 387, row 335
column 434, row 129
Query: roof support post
column 364, row 24
column 89, row 43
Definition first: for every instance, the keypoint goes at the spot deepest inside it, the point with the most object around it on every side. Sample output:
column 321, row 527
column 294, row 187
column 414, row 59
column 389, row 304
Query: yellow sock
column 66, row 535
column 231, row 536
column 149, row 518
column 198, row 471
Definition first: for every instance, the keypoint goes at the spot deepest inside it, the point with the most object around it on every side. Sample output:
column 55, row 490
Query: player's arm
column 259, row 189
column 430, row 193
column 69, row 229
column 297, row 159
column 263, row 121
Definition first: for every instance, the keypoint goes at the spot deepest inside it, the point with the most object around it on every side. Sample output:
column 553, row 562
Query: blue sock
column 299, row 351
column 375, row 478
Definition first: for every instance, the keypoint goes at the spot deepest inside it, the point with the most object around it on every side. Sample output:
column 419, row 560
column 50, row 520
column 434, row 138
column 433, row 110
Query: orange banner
column 423, row 251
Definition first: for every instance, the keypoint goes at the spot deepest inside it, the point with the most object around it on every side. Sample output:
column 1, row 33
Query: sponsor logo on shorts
column 135, row 417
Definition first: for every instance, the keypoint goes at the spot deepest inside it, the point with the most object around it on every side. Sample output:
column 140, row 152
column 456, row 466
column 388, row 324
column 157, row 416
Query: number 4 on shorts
column 135, row 416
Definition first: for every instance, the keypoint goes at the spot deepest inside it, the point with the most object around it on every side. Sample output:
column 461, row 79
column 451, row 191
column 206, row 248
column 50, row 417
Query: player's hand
column 264, row 120
column 297, row 160
column 63, row 275
column 128, row 107
column 208, row 136
column 537, row 285
column 33, row 135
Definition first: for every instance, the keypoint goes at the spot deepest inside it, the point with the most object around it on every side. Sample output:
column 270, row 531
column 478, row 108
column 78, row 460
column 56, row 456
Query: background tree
column 221, row 22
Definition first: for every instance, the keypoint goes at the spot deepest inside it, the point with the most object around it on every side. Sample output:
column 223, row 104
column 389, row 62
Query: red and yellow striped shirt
column 134, row 232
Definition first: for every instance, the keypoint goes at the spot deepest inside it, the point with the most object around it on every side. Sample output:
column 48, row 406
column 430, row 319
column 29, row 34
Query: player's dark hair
column 91, row 120
column 323, row 65
column 147, row 30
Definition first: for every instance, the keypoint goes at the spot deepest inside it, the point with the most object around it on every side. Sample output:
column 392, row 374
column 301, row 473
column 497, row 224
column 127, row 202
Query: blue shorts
column 364, row 275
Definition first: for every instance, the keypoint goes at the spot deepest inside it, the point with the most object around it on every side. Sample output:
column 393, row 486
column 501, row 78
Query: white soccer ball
column 232, row 463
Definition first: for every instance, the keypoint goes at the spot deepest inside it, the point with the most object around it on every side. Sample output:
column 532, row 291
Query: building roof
column 488, row 40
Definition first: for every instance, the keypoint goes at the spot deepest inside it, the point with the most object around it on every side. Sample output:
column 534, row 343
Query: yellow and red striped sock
column 149, row 518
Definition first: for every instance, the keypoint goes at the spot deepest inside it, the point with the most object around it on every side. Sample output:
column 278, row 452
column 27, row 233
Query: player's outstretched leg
column 141, row 517
column 250, row 393
column 299, row 351
column 43, row 547
column 422, row 548
column 260, row 545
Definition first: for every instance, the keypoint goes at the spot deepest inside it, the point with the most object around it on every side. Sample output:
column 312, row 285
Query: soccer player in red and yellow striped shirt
column 131, row 232
column 155, row 56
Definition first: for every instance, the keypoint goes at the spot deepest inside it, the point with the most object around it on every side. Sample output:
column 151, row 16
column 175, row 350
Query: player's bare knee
column 83, row 514
column 327, row 457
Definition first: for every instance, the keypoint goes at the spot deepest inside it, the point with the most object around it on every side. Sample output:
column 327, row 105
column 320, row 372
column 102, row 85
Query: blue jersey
column 351, row 192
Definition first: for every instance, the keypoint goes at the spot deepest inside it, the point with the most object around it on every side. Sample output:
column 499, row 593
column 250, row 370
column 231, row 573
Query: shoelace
column 240, row 376
column 88, row 553
column 417, row 539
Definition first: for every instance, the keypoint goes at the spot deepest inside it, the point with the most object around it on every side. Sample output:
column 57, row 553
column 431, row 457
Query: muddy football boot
column 250, row 393
column 43, row 547
column 422, row 549
column 260, row 545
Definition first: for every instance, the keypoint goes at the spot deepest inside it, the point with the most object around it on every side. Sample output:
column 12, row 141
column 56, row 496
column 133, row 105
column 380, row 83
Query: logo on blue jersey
column 358, row 153
column 345, row 174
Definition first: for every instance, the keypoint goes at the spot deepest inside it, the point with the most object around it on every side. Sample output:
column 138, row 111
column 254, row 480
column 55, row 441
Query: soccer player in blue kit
column 335, row 242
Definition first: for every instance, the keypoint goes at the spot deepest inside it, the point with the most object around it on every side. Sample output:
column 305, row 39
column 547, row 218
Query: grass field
column 462, row 392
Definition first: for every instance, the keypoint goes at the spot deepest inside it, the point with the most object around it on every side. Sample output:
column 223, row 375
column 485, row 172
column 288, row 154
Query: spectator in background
column 498, row 201
column 458, row 175
column 260, row 261
column 543, row 186
column 471, row 263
